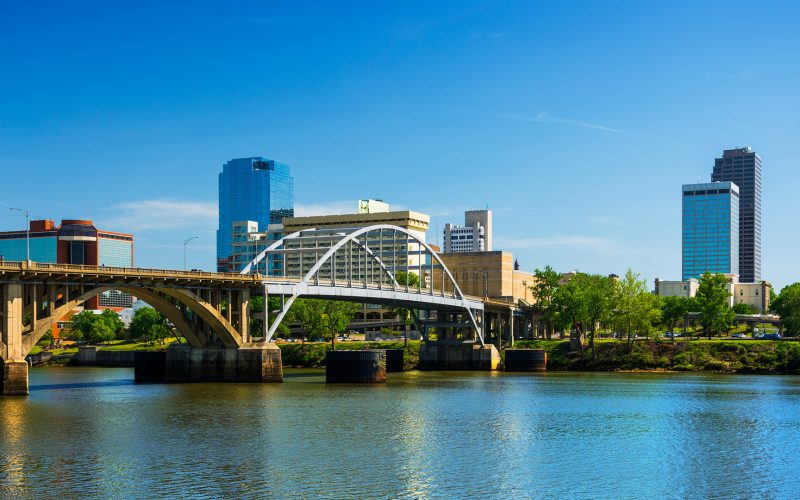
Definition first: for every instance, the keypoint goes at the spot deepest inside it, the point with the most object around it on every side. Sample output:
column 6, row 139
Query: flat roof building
column 256, row 189
column 742, row 166
column 710, row 229
column 75, row 241
column 474, row 236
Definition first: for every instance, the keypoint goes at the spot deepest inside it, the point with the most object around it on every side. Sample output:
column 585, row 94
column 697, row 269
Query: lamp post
column 27, row 231
column 186, row 242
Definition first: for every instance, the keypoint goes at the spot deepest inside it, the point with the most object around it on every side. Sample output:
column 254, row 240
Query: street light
column 27, row 231
column 186, row 242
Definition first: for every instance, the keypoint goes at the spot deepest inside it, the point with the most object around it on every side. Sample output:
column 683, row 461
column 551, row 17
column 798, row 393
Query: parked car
column 738, row 335
column 772, row 336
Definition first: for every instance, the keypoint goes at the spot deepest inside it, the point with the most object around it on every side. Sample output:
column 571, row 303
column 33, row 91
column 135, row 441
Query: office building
column 248, row 242
column 710, row 229
column 474, row 236
column 251, row 189
column 756, row 295
column 742, row 166
column 372, row 206
column 405, row 254
column 73, row 242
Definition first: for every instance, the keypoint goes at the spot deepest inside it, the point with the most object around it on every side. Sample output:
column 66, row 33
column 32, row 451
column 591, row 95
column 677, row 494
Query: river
column 93, row 432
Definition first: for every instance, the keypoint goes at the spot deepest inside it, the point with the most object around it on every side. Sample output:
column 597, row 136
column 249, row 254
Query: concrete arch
column 225, row 331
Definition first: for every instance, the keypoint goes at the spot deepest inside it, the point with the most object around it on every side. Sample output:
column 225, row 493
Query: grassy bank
column 733, row 356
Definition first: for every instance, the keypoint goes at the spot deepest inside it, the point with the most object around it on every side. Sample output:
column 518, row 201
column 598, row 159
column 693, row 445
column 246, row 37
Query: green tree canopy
column 787, row 305
column 546, row 283
column 323, row 318
column 742, row 308
column 93, row 327
column 673, row 309
column 149, row 324
column 712, row 299
column 637, row 310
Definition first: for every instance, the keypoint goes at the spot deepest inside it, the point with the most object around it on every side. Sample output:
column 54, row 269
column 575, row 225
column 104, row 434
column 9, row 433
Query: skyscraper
column 256, row 189
column 474, row 236
column 743, row 167
column 710, row 229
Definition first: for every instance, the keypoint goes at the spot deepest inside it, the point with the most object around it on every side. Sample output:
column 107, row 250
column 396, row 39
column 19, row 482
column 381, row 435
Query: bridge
column 211, row 311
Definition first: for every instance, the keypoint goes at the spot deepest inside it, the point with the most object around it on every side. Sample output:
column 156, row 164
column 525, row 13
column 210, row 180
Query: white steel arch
column 361, row 290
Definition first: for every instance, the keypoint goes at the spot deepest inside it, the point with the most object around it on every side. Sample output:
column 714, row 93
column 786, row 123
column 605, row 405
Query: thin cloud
column 161, row 214
column 330, row 208
column 568, row 241
column 545, row 117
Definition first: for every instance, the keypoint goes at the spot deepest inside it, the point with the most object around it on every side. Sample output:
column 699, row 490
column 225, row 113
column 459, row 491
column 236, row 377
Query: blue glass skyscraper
column 710, row 229
column 257, row 189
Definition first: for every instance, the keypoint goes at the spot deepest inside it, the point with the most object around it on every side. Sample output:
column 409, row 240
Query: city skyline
column 580, row 173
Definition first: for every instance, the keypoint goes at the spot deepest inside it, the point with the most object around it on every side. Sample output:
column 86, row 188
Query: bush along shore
column 728, row 356
column 724, row 356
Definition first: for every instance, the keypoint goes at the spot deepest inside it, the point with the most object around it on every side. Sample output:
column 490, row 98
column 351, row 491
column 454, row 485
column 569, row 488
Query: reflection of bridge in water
column 212, row 311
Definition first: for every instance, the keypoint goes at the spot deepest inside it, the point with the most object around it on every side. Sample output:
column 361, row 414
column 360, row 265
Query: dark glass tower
column 743, row 167
column 257, row 189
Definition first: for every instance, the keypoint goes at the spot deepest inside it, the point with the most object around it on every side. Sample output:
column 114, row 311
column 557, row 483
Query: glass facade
column 114, row 252
column 710, row 229
column 14, row 247
column 251, row 189
column 743, row 167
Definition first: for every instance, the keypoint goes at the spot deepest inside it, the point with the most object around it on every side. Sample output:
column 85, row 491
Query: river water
column 92, row 432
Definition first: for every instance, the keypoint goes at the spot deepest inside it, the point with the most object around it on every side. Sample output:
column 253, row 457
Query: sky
column 575, row 122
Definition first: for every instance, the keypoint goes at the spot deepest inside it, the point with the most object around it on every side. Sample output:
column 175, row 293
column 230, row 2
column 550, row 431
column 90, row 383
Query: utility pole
column 186, row 242
column 27, row 231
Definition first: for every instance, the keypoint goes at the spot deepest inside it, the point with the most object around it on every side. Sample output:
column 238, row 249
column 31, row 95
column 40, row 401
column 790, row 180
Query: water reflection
column 420, row 435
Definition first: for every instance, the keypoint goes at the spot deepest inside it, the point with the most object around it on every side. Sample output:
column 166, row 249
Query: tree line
column 582, row 303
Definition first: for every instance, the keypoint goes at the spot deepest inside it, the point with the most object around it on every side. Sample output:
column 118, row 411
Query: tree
column 712, row 299
column 323, row 318
column 787, row 305
column 742, row 308
column 95, row 328
column 637, row 309
column 543, row 291
column 111, row 319
column 600, row 294
column 673, row 309
column 570, row 300
column 149, row 324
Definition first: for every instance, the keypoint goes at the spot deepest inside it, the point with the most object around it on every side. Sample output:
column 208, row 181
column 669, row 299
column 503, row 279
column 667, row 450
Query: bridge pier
column 249, row 363
column 458, row 357
column 15, row 368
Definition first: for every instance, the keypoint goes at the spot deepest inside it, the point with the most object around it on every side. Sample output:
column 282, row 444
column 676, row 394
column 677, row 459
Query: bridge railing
column 47, row 266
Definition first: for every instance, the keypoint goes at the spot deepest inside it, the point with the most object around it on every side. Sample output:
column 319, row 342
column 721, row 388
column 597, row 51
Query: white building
column 474, row 236
column 756, row 295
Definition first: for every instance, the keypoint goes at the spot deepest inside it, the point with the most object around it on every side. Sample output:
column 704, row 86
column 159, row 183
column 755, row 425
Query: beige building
column 756, row 295
column 488, row 274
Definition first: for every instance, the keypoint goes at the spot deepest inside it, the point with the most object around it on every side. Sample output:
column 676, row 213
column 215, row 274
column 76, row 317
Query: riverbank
column 724, row 356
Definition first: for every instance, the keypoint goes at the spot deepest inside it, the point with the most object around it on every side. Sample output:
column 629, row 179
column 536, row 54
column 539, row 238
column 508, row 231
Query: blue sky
column 576, row 122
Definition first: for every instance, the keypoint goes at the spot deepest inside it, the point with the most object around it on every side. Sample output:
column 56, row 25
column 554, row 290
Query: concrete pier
column 254, row 363
column 15, row 378
column 355, row 366
column 526, row 360
column 394, row 360
column 149, row 367
column 459, row 357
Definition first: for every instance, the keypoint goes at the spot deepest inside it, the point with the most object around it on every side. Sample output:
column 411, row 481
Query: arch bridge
column 380, row 264
column 212, row 310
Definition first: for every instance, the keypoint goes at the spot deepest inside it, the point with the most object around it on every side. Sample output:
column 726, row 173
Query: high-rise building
column 710, row 229
column 73, row 242
column 255, row 189
column 474, row 236
column 742, row 166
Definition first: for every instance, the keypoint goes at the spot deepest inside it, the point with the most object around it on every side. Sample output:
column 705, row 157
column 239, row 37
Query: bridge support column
column 15, row 368
column 250, row 363
column 459, row 357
